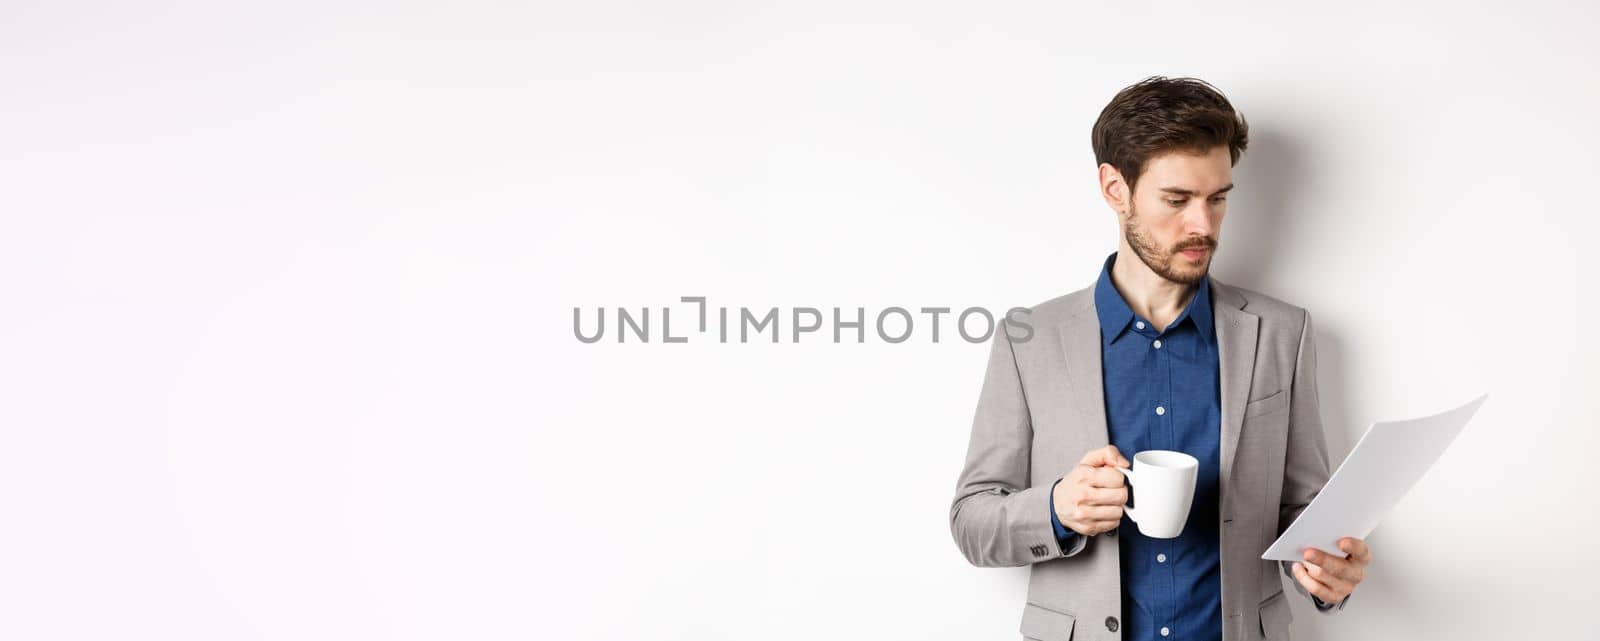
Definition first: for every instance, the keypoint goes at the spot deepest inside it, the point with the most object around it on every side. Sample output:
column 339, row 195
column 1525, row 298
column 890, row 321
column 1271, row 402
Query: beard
column 1166, row 264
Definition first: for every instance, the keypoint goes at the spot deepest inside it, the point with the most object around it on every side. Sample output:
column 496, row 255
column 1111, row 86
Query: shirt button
column 1161, row 558
column 1158, row 344
column 1165, row 631
column 1160, row 410
column 1139, row 324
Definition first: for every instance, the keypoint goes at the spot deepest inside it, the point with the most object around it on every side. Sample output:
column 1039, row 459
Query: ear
column 1114, row 189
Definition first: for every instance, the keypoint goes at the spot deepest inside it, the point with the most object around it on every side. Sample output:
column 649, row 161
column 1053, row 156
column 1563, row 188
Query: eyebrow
column 1190, row 192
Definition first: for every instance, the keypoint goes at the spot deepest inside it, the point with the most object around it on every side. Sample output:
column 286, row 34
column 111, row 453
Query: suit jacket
column 1042, row 408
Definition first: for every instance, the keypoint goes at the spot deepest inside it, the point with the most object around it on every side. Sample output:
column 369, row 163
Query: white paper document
column 1388, row 460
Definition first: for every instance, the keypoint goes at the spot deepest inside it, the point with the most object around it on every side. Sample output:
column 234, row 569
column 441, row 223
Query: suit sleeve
column 1305, row 468
column 996, row 518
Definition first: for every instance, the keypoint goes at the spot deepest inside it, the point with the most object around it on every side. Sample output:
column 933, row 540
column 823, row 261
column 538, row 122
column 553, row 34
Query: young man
column 1154, row 355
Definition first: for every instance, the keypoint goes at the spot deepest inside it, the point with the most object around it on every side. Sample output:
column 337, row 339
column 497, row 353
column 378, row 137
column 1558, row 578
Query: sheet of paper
column 1388, row 460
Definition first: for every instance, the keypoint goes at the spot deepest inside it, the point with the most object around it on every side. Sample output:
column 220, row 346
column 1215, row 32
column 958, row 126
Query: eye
column 1219, row 199
column 1176, row 203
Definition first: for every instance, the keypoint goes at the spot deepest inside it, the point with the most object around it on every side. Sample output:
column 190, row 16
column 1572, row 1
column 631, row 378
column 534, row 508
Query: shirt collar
column 1115, row 315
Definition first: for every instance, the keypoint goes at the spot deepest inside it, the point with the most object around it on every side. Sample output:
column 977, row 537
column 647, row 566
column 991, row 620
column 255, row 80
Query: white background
column 287, row 348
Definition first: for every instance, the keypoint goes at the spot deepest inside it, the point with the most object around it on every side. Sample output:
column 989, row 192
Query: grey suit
column 1042, row 408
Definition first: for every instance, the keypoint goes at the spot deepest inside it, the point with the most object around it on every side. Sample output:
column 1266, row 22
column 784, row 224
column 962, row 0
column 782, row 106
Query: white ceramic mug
column 1164, row 481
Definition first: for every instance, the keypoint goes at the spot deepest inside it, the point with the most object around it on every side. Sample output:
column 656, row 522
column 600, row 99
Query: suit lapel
column 1080, row 345
column 1236, row 347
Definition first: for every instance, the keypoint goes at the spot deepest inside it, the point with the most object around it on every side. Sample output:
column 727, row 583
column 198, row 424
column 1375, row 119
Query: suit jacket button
column 1111, row 624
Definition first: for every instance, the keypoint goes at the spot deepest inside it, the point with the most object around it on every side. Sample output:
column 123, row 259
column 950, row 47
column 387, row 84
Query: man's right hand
column 1089, row 499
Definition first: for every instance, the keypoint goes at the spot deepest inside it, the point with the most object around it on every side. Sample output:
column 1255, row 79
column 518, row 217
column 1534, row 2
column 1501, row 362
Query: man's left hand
column 1332, row 577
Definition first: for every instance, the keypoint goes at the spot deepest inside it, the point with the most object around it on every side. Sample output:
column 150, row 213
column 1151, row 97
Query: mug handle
column 1128, row 510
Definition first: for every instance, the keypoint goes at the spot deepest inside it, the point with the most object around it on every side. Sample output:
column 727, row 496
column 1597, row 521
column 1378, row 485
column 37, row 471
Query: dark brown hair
column 1158, row 115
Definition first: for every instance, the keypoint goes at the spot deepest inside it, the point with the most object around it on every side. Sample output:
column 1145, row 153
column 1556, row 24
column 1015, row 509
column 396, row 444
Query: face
column 1175, row 214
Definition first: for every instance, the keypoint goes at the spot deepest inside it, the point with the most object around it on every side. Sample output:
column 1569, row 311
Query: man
column 1155, row 355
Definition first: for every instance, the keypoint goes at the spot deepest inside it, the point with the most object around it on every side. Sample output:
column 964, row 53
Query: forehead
column 1199, row 172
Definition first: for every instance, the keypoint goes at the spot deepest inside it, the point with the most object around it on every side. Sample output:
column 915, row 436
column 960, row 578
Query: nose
column 1198, row 220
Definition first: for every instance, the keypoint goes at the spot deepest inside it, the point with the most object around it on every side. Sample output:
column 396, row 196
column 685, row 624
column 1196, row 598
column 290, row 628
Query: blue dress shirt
column 1162, row 392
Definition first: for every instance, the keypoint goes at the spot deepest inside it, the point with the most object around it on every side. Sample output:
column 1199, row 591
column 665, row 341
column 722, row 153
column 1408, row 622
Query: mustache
column 1204, row 242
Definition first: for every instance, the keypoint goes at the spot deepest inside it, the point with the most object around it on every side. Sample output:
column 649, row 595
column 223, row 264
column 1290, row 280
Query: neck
column 1149, row 294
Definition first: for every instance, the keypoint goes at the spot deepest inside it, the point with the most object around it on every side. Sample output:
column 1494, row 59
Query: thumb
column 1107, row 455
column 1116, row 457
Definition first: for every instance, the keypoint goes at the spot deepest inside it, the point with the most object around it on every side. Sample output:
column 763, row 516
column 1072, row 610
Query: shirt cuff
column 1325, row 607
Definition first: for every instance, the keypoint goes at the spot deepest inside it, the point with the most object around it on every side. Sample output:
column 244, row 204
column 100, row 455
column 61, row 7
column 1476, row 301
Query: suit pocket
column 1277, row 401
column 1045, row 624
column 1275, row 616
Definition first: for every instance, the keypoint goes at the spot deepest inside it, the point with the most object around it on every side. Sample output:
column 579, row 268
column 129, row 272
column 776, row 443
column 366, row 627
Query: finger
column 1312, row 585
column 1346, row 569
column 1085, row 513
column 1104, row 477
column 1105, row 495
column 1107, row 455
column 1328, row 577
column 1092, row 528
column 1356, row 548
